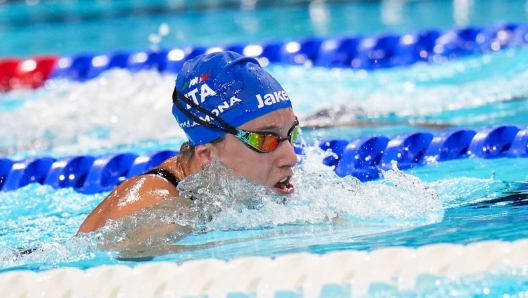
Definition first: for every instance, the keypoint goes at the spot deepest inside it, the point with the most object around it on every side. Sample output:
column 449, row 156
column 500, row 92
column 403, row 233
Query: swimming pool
column 472, row 92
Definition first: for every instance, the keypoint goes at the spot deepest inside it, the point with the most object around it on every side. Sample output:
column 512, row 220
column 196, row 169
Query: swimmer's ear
column 203, row 154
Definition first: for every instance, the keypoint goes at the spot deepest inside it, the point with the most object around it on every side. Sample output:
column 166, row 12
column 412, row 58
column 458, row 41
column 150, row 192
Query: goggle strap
column 227, row 127
column 194, row 117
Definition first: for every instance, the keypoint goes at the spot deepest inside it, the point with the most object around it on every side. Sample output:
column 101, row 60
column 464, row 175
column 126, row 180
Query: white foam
column 123, row 108
column 224, row 201
column 118, row 107
column 417, row 90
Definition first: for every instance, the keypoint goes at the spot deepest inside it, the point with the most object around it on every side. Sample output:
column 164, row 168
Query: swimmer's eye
column 262, row 142
column 267, row 142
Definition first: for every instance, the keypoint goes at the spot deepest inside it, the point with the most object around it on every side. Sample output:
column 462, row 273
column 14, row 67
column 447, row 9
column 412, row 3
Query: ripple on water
column 123, row 108
column 46, row 218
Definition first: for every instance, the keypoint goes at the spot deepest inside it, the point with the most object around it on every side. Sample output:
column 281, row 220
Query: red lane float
column 8, row 69
column 29, row 73
column 356, row 52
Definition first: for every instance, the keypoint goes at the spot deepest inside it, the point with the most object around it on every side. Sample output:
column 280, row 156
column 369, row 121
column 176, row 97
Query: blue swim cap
column 229, row 85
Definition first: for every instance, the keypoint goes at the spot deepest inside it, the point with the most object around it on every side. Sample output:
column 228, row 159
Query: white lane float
column 302, row 274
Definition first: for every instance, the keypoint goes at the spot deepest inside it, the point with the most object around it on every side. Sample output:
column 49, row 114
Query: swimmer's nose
column 287, row 157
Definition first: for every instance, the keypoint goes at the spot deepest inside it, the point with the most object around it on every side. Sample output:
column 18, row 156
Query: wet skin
column 263, row 168
column 267, row 169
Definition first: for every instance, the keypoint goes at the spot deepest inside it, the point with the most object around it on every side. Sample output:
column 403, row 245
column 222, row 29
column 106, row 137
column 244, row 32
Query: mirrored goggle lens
column 270, row 143
column 267, row 143
column 294, row 134
column 264, row 143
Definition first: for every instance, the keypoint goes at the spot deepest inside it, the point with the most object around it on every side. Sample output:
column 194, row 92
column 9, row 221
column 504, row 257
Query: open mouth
column 284, row 186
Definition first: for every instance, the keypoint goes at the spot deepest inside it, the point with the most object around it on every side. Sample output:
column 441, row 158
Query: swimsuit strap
column 165, row 174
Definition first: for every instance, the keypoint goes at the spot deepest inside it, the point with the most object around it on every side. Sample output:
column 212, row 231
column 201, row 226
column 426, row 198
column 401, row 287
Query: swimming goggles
column 262, row 142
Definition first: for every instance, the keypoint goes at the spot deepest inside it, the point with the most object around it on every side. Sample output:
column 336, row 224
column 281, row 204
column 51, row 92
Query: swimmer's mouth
column 284, row 186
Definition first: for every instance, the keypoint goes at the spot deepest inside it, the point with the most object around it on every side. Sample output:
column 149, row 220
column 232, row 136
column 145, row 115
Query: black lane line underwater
column 344, row 116
column 517, row 197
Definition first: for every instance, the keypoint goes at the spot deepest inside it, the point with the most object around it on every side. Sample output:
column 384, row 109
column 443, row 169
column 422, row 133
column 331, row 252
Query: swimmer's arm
column 153, row 239
column 153, row 251
column 128, row 198
column 152, row 226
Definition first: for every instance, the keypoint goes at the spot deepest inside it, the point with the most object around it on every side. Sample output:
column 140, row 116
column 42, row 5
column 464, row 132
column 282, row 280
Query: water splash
column 223, row 201
column 50, row 254
column 321, row 197
column 42, row 220
column 46, row 219
column 102, row 113
column 457, row 192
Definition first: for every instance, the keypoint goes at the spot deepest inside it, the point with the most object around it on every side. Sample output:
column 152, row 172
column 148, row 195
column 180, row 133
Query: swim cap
column 229, row 85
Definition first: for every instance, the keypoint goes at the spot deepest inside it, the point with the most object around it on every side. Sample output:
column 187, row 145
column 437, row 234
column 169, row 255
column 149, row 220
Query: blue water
column 65, row 27
column 473, row 92
column 42, row 216
column 101, row 116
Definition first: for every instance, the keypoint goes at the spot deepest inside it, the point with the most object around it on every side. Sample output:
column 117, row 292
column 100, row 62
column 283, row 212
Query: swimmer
column 229, row 108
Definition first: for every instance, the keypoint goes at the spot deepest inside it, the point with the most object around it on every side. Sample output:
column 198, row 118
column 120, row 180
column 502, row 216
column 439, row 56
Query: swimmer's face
column 272, row 169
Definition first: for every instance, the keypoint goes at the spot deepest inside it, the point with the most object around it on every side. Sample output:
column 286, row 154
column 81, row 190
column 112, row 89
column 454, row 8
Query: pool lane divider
column 363, row 158
column 84, row 173
column 335, row 274
column 356, row 52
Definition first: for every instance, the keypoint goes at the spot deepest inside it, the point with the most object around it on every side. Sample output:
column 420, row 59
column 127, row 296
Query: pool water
column 49, row 217
column 472, row 93
column 65, row 27
column 472, row 210
column 461, row 201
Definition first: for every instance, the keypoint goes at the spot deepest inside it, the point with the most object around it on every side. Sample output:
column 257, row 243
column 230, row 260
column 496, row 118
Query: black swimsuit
column 165, row 174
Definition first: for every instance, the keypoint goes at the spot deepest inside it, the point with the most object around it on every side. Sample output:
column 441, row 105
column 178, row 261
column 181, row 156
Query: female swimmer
column 229, row 108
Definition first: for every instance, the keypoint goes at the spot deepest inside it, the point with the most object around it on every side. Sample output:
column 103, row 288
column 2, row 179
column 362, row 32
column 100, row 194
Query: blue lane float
column 363, row 158
column 377, row 52
column 299, row 52
column 5, row 167
column 70, row 171
column 519, row 146
column 337, row 52
column 84, row 173
column 356, row 52
column 380, row 51
column 107, row 172
column 148, row 161
column 450, row 144
column 416, row 47
column 337, row 146
column 493, row 142
column 31, row 170
column 407, row 150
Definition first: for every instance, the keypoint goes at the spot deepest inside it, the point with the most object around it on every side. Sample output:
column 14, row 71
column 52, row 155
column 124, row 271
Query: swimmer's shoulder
column 134, row 194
